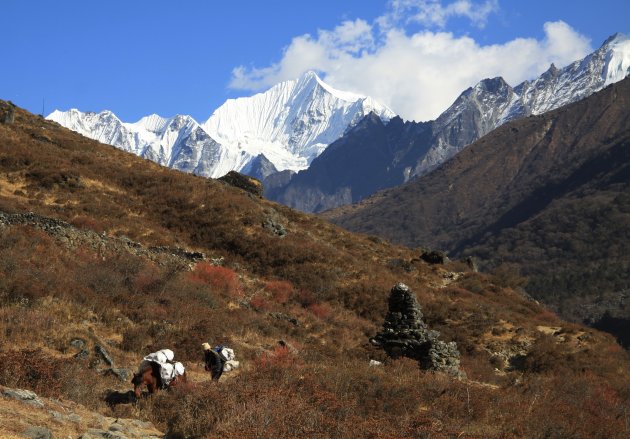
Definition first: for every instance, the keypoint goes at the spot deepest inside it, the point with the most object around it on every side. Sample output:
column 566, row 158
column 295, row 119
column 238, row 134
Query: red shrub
column 280, row 357
column 280, row 290
column 148, row 280
column 260, row 303
column 220, row 278
column 320, row 310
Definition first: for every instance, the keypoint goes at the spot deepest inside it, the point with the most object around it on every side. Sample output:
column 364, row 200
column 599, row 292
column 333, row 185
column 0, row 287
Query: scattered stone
column 74, row 418
column 25, row 396
column 472, row 264
column 401, row 263
column 100, row 350
column 275, row 227
column 9, row 116
column 283, row 316
column 434, row 257
column 244, row 182
column 38, row 433
column 121, row 373
column 404, row 334
column 375, row 363
column 84, row 353
column 123, row 429
column 77, row 343
column 74, row 237
column 179, row 252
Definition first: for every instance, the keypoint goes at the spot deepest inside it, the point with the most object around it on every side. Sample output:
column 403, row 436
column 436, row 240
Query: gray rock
column 77, row 343
column 25, row 396
column 38, row 433
column 100, row 350
column 275, row 227
column 434, row 257
column 283, row 316
column 121, row 373
column 472, row 264
column 244, row 182
column 9, row 116
column 81, row 355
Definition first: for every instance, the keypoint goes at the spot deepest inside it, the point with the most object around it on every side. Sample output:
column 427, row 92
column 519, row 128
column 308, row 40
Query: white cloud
column 418, row 75
column 433, row 13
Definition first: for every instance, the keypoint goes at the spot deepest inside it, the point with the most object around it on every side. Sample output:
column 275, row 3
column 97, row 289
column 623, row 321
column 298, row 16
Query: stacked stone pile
column 404, row 334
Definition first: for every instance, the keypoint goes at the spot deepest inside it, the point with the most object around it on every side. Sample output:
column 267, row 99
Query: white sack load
column 169, row 370
column 230, row 365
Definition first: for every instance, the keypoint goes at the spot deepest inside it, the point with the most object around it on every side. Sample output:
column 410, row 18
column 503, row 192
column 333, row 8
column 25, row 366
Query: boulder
column 100, row 351
column 434, row 257
column 244, row 182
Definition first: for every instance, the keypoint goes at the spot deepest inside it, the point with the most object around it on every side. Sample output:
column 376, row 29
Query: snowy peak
column 292, row 122
column 492, row 102
column 285, row 127
column 153, row 123
column 617, row 60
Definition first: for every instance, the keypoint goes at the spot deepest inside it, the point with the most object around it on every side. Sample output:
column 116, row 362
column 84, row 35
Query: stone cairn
column 404, row 334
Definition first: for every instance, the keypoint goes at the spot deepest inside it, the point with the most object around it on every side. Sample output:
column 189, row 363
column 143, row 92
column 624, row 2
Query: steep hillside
column 105, row 257
column 393, row 154
column 550, row 193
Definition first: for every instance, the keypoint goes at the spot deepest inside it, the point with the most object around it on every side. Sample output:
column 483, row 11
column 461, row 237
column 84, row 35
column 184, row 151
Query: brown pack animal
column 149, row 375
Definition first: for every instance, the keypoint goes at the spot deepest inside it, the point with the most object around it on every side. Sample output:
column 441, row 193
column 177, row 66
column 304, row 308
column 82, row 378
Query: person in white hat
column 214, row 361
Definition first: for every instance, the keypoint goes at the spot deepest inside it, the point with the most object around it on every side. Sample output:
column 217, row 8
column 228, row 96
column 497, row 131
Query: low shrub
column 221, row 279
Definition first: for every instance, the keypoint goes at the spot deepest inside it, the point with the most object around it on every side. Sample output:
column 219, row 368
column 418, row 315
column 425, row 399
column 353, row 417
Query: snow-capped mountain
column 385, row 155
column 284, row 128
column 492, row 102
column 177, row 142
column 291, row 123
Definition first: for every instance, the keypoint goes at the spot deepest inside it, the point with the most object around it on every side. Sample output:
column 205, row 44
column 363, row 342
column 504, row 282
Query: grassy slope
column 333, row 282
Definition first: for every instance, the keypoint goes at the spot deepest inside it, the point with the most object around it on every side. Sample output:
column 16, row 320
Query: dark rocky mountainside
column 373, row 155
column 377, row 156
column 550, row 193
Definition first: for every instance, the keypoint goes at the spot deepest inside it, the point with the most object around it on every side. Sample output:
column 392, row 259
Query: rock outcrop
column 244, row 182
column 404, row 334
column 75, row 237
column 25, row 414
column 9, row 115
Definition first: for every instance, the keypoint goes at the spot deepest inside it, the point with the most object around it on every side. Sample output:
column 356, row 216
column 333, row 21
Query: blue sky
column 188, row 57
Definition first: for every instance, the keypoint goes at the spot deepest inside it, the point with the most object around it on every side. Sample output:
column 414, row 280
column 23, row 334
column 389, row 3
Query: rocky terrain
column 23, row 414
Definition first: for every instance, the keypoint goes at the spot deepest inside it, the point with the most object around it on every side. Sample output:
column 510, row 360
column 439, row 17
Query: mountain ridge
column 476, row 112
column 290, row 124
